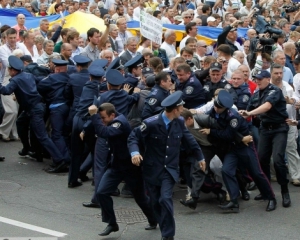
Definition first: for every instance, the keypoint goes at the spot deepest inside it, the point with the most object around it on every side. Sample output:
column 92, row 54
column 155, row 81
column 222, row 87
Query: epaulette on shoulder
column 151, row 119
column 154, row 92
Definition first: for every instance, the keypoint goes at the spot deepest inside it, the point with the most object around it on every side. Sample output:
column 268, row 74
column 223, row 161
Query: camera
column 192, row 65
column 262, row 26
column 111, row 21
column 291, row 8
column 266, row 45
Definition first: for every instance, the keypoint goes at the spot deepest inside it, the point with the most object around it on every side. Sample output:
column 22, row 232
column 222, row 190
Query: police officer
column 270, row 105
column 89, row 91
column 158, row 93
column 52, row 89
column 115, row 127
column 134, row 67
column 75, row 85
column 24, row 87
column 193, row 94
column 116, row 64
column 240, row 90
column 232, row 123
column 162, row 135
column 216, row 81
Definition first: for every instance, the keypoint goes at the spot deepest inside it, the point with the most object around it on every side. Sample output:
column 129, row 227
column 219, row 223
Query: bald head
column 251, row 33
column 21, row 19
column 108, row 55
column 66, row 50
column 238, row 55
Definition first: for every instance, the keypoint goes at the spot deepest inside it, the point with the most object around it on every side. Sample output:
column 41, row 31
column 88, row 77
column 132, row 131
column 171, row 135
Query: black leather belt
column 271, row 126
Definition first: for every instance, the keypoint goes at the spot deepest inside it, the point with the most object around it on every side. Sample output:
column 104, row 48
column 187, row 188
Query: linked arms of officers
column 261, row 109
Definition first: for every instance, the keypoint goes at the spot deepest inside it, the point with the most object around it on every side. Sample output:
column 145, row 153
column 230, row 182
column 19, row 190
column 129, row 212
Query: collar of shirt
column 44, row 34
column 92, row 49
column 196, row 125
column 131, row 53
column 165, row 119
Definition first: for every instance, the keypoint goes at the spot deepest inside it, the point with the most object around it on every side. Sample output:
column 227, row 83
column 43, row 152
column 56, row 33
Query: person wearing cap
column 146, row 71
column 177, row 20
column 270, row 104
column 159, row 92
column 25, row 90
column 193, row 92
column 228, row 36
column 163, row 135
column 239, row 153
column 116, row 64
column 216, row 81
column 75, row 85
column 39, row 72
column 211, row 22
column 89, row 92
column 52, row 90
column 134, row 67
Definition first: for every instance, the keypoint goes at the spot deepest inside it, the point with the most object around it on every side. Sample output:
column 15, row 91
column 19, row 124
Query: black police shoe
column 23, row 152
column 231, row 207
column 74, row 184
column 83, row 177
column 91, row 205
column 151, row 226
column 271, row 205
column 221, row 196
column 2, row 159
column 61, row 168
column 116, row 193
column 109, row 229
column 286, row 200
column 167, row 238
column 245, row 196
column 259, row 197
column 191, row 203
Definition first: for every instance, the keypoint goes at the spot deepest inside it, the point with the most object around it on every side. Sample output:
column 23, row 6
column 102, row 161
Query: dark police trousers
column 78, row 153
column 272, row 142
column 245, row 156
column 162, row 204
column 108, row 184
column 37, row 124
column 58, row 117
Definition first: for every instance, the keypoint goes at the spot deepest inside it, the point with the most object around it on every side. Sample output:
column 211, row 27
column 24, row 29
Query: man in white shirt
column 137, row 10
column 129, row 14
column 123, row 34
column 168, row 44
column 169, row 16
column 30, row 48
column 247, row 8
column 191, row 31
column 201, row 48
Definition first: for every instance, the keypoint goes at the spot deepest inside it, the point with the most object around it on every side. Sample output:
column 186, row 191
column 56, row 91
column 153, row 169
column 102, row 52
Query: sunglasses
column 204, row 46
column 187, row 17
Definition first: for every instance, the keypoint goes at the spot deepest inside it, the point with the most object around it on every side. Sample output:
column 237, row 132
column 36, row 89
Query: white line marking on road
column 32, row 227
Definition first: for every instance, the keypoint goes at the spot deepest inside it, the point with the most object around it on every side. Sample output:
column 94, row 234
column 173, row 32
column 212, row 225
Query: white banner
column 151, row 27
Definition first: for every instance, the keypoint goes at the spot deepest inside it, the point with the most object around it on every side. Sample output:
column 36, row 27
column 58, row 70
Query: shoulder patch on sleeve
column 143, row 127
column 116, row 125
column 233, row 123
column 227, row 86
column 189, row 90
column 191, row 79
column 206, row 88
column 245, row 98
column 152, row 101
column 271, row 92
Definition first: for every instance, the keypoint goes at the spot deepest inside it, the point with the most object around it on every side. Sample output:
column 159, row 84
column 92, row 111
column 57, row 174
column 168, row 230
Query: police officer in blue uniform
column 216, row 81
column 134, row 67
column 116, row 64
column 89, row 91
column 269, row 104
column 231, row 123
column 52, row 89
column 193, row 93
column 240, row 90
column 162, row 136
column 23, row 85
column 115, row 127
column 158, row 93
column 75, row 85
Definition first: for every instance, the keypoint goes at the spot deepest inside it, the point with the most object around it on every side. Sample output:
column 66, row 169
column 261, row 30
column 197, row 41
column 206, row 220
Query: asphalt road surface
column 38, row 205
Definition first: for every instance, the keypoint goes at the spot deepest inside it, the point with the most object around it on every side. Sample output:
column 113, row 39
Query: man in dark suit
column 113, row 34
column 162, row 136
column 130, row 51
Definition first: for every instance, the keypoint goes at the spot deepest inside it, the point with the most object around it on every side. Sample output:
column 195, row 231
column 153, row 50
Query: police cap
column 114, row 77
column 134, row 62
column 96, row 71
column 223, row 100
column 26, row 58
column 101, row 63
column 216, row 66
column 147, row 71
column 262, row 74
column 15, row 63
column 115, row 64
column 59, row 62
column 81, row 60
column 173, row 100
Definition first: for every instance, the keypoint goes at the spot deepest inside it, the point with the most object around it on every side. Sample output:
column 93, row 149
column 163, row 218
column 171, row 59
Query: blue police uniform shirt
column 23, row 85
column 117, row 132
column 231, row 123
column 52, row 89
column 210, row 88
column 131, row 80
column 162, row 147
column 75, row 85
column 120, row 99
column 241, row 96
column 153, row 101
column 89, row 91
column 193, row 92
column 272, row 94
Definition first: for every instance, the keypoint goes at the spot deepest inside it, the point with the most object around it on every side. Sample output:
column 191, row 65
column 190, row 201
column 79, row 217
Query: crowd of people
column 221, row 117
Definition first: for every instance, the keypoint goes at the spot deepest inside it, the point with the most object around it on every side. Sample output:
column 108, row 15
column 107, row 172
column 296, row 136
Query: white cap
column 211, row 19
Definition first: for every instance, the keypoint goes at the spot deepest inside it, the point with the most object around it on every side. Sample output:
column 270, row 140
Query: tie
column 116, row 46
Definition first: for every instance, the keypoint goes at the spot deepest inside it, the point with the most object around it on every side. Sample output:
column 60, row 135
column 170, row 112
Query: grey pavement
column 32, row 196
